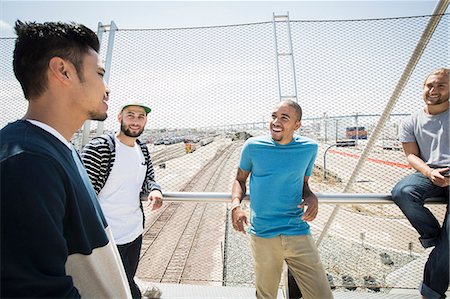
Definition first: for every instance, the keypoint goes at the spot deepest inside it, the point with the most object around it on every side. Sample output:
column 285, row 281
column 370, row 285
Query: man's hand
column 437, row 178
column 155, row 199
column 312, row 203
column 238, row 218
column 435, row 175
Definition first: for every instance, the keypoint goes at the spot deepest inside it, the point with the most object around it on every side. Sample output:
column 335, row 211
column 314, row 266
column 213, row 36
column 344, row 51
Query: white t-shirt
column 119, row 198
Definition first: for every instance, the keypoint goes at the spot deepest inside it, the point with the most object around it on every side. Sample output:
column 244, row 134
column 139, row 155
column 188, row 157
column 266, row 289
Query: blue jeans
column 409, row 194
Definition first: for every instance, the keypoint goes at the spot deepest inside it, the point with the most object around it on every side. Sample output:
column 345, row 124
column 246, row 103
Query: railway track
column 207, row 178
column 183, row 242
column 166, row 153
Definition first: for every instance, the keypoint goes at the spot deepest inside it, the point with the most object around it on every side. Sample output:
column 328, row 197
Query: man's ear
column 59, row 69
column 298, row 125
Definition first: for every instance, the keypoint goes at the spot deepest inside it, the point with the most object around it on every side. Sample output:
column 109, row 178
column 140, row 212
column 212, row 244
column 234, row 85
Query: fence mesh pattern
column 210, row 88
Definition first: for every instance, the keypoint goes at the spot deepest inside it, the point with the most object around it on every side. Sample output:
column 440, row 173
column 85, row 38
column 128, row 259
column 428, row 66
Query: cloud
column 6, row 30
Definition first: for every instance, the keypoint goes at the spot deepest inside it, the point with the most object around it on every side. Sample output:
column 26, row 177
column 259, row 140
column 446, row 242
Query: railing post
column 325, row 161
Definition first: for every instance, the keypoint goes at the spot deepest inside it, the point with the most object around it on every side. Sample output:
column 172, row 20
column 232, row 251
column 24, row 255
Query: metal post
column 289, row 53
column 325, row 123
column 276, row 55
column 325, row 161
column 87, row 123
column 112, row 32
column 337, row 127
column 414, row 59
column 291, row 50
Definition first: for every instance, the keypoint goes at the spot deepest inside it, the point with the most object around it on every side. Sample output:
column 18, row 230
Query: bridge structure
column 217, row 82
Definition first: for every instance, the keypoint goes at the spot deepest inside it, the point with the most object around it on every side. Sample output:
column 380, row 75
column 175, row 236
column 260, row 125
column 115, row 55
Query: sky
column 176, row 14
column 198, row 85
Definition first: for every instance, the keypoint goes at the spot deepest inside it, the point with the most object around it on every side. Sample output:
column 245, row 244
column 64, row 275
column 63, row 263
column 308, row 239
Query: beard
column 433, row 102
column 276, row 138
column 128, row 133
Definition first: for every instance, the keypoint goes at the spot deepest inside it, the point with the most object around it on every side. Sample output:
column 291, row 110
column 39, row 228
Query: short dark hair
column 37, row 43
column 294, row 105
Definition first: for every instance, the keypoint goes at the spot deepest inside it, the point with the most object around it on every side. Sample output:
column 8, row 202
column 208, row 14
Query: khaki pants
column 302, row 258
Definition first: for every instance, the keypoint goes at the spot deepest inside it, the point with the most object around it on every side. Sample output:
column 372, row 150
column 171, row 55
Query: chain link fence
column 210, row 88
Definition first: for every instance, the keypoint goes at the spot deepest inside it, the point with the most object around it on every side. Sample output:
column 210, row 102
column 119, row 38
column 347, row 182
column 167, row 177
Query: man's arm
column 310, row 200
column 33, row 247
column 95, row 156
column 238, row 191
column 155, row 197
column 412, row 153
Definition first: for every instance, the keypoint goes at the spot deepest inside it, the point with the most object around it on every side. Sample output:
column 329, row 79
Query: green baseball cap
column 136, row 103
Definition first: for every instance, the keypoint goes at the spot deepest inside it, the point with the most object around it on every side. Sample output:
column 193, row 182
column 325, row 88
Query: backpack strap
column 109, row 139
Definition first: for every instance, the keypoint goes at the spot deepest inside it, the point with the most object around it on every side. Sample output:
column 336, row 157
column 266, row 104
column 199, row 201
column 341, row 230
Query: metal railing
column 324, row 198
column 354, row 235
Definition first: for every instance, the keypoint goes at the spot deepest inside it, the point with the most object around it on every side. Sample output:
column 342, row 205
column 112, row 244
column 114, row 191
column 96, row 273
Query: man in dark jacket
column 55, row 242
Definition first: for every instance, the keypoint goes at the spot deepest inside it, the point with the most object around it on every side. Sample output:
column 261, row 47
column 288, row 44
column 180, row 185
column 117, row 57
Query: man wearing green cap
column 121, row 170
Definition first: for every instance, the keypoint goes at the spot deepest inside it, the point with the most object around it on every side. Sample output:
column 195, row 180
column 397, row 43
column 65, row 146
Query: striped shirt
column 99, row 155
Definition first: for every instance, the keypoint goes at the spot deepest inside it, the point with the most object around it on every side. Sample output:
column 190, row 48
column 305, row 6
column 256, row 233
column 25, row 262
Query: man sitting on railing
column 280, row 165
column 425, row 137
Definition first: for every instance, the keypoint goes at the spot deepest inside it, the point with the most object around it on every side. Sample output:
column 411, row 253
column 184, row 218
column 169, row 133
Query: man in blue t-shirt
column 281, row 204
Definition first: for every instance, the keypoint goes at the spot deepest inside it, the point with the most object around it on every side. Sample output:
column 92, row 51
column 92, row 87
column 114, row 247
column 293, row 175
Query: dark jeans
column 130, row 258
column 409, row 194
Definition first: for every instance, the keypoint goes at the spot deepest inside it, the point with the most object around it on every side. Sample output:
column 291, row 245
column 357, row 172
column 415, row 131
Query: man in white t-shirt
column 120, row 169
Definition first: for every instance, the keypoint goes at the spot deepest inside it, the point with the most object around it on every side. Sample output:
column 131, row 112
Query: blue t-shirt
column 276, row 184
